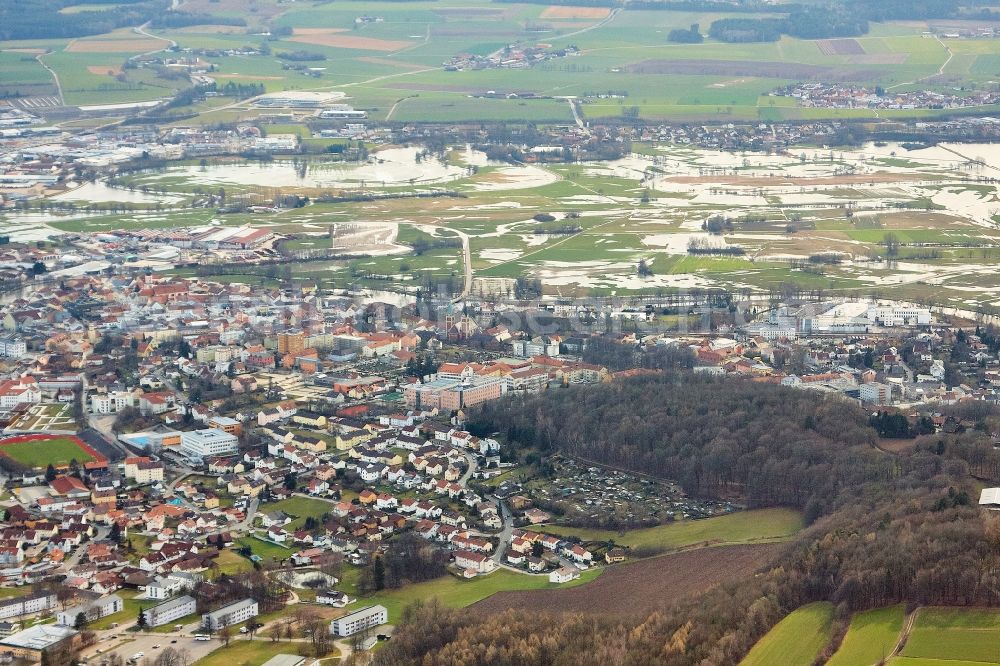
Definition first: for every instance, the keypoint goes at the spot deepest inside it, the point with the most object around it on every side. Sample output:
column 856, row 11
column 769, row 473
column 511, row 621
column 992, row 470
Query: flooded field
column 811, row 218
column 386, row 168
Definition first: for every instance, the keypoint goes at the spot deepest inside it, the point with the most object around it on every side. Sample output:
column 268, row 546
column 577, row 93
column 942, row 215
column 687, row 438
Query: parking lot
column 129, row 644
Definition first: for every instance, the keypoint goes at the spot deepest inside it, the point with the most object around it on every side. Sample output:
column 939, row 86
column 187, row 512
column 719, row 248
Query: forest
column 41, row 19
column 30, row 19
column 884, row 528
column 713, row 436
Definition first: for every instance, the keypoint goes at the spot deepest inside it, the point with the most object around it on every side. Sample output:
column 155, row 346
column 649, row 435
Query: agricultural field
column 742, row 527
column 871, row 637
column 796, row 640
column 953, row 635
column 37, row 451
column 916, row 661
column 23, row 74
column 643, row 586
column 459, row 593
column 393, row 65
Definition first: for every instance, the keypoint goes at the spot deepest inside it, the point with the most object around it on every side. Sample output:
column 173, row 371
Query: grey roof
column 285, row 660
column 235, row 606
column 170, row 604
column 39, row 636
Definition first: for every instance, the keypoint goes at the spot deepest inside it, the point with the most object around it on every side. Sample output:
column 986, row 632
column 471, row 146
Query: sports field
column 39, row 450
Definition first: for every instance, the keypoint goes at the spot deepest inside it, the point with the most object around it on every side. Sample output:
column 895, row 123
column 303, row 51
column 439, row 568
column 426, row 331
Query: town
column 165, row 439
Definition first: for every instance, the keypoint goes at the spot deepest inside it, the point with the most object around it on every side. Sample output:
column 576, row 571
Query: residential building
column 92, row 610
column 875, row 393
column 333, row 598
column 170, row 611
column 359, row 620
column 157, row 403
column 474, row 562
column 564, row 575
column 234, row 613
column 112, row 403
column 143, row 469
column 26, row 605
column 23, row 390
column 13, row 347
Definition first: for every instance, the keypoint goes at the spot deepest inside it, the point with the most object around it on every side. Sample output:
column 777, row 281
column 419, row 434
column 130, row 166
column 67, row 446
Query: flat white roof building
column 208, row 442
column 990, row 498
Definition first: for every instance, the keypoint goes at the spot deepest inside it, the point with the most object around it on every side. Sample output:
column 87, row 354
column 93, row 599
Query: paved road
column 466, row 256
column 505, row 533
column 473, row 466
column 243, row 528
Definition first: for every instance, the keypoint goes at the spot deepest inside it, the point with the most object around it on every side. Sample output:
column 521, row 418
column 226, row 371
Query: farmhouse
column 564, row 575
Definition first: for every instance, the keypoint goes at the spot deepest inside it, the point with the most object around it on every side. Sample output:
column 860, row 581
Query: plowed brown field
column 643, row 586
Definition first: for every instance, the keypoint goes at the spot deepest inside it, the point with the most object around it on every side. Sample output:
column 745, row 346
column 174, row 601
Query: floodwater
column 392, row 166
column 101, row 192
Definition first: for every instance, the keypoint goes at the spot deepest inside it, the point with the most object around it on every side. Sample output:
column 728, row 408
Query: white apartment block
column 875, row 393
column 170, row 611
column 13, row 347
column 359, row 620
column 91, row 610
column 112, row 403
column 227, row 616
column 32, row 603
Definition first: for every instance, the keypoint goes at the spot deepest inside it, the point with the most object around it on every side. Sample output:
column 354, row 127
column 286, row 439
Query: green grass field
column 871, row 637
column 741, row 527
column 457, row 593
column 962, row 634
column 59, row 451
column 129, row 613
column 270, row 552
column 248, row 652
column 796, row 640
column 300, row 508
column 916, row 661
column 393, row 68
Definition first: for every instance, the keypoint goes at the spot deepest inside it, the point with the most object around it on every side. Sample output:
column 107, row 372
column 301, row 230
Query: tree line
column 884, row 529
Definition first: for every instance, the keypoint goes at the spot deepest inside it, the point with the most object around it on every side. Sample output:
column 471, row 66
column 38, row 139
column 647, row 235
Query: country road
column 466, row 256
